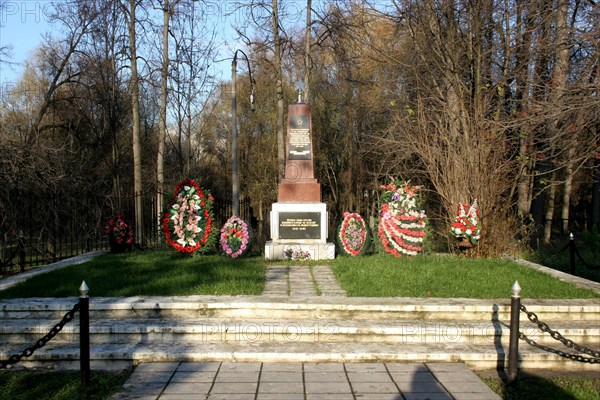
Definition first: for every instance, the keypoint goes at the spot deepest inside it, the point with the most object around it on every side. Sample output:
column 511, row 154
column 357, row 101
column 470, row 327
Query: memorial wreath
column 187, row 224
column 235, row 237
column 401, row 224
column 352, row 234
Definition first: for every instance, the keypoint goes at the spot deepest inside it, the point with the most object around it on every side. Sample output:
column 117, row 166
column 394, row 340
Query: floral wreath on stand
column 120, row 234
column 466, row 225
column 352, row 234
column 401, row 224
column 187, row 224
column 235, row 237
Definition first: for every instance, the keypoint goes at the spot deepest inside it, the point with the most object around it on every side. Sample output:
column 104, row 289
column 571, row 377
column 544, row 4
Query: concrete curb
column 14, row 280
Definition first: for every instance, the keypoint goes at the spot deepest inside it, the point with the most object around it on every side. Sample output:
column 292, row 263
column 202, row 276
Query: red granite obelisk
column 299, row 183
column 299, row 220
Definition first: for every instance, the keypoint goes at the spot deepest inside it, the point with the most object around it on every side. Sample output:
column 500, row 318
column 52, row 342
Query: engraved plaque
column 299, row 225
column 299, row 137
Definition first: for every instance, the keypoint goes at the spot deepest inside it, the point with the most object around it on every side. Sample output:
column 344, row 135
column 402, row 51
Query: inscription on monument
column 299, row 140
column 299, row 225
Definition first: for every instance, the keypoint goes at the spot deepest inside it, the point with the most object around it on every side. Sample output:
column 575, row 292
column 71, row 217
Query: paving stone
column 369, row 377
column 374, row 387
column 365, row 367
column 152, row 376
column 282, row 388
column 278, row 396
column 339, row 387
column 230, row 396
column 281, row 376
column 426, row 396
column 282, row 367
column 417, row 377
column 476, row 396
column 237, row 376
column 246, row 367
column 420, row 387
column 234, row 387
column 188, row 388
column 324, row 376
column 157, row 367
column 329, row 396
column 408, row 368
column 198, row 367
column 324, row 367
column 193, row 377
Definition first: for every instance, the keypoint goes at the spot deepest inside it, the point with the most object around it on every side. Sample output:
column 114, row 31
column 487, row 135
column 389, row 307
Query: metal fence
column 52, row 232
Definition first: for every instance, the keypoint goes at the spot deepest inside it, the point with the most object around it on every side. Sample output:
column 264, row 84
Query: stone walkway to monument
column 301, row 280
column 304, row 381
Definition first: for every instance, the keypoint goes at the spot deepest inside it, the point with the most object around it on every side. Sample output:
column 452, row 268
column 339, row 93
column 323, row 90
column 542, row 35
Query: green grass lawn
column 149, row 274
column 555, row 388
column 174, row 274
column 37, row 385
column 448, row 277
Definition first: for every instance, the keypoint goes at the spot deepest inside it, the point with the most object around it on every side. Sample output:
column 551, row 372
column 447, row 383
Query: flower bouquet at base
column 466, row 228
column 120, row 234
column 235, row 237
column 402, row 226
column 352, row 235
column 296, row 253
column 187, row 224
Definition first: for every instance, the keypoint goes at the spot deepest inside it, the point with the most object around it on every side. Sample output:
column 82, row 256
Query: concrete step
column 139, row 330
column 122, row 355
column 328, row 308
column 297, row 329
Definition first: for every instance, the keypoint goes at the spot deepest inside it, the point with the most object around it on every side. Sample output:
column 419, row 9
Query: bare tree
column 130, row 12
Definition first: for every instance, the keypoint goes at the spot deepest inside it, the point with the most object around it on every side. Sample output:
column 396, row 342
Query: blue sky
column 23, row 24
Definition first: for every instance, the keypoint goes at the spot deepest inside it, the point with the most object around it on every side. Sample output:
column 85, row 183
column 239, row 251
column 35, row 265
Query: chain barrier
column 557, row 336
column 15, row 358
column 586, row 264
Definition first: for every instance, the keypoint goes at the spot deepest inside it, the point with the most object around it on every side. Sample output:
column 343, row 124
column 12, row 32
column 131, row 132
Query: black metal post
column 235, row 186
column 572, row 253
column 21, row 247
column 513, row 346
column 84, row 333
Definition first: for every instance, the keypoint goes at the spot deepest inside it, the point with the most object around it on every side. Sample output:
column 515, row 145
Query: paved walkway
column 301, row 280
column 304, row 381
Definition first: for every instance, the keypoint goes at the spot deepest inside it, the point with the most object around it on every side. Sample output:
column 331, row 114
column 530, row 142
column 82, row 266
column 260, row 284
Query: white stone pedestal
column 302, row 227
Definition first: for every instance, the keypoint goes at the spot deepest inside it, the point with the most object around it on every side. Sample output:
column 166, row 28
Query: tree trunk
column 549, row 216
column 568, row 188
column 136, row 142
column 279, row 74
column 162, row 129
column 307, row 53
column 558, row 93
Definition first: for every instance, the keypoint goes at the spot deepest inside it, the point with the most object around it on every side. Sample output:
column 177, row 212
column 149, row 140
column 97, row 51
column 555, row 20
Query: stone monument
column 299, row 219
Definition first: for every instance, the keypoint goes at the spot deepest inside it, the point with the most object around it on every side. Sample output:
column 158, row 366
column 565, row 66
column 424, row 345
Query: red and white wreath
column 401, row 224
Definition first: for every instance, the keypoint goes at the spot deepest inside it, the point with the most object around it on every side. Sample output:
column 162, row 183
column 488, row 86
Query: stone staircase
column 126, row 331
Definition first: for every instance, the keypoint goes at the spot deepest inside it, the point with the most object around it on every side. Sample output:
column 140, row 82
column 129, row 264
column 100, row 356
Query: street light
column 235, row 187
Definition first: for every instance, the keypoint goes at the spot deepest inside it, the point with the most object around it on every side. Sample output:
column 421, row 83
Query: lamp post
column 235, row 186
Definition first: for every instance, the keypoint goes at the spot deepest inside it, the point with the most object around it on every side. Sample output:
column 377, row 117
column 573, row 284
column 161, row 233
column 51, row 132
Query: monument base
column 299, row 191
column 317, row 251
column 301, row 227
